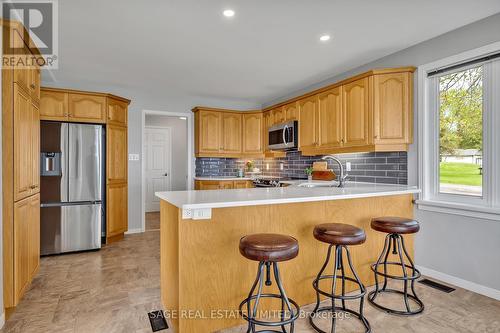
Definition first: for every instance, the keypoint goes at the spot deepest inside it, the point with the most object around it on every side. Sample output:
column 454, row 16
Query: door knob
column 166, row 174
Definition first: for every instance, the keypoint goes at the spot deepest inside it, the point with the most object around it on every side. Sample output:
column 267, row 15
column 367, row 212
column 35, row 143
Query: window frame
column 428, row 139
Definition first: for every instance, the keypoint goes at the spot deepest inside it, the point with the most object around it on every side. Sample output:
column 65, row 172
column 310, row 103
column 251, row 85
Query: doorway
column 166, row 162
column 158, row 159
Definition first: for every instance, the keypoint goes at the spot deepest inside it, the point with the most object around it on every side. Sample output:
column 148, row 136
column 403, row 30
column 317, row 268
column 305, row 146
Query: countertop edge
column 263, row 202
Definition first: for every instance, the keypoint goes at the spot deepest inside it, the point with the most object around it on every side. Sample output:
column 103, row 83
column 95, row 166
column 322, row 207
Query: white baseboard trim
column 134, row 231
column 472, row 286
column 2, row 319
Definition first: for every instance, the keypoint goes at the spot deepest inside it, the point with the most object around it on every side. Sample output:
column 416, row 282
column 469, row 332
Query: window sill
column 481, row 212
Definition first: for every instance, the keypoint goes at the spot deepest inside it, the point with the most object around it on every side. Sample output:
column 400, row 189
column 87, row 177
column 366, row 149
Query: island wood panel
column 206, row 252
column 169, row 249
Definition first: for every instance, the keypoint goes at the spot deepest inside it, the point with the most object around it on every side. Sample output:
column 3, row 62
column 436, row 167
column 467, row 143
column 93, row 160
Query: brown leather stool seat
column 395, row 225
column 269, row 247
column 339, row 234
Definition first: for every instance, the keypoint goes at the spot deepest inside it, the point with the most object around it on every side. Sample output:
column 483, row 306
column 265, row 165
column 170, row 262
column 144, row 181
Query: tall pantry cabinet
column 20, row 165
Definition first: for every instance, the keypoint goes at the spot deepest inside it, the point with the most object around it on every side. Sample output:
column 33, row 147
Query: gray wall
column 463, row 247
column 179, row 147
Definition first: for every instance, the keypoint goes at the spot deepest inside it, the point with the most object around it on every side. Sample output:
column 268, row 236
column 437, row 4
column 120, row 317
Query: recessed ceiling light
column 182, row 118
column 228, row 13
column 324, row 38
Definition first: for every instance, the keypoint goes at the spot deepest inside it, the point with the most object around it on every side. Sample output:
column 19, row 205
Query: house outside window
column 459, row 140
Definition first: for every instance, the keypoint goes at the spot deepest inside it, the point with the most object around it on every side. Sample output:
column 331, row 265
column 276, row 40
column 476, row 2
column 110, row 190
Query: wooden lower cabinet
column 117, row 209
column 242, row 184
column 26, row 243
column 222, row 184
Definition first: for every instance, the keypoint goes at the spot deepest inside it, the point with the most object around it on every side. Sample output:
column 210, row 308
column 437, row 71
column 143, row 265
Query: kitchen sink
column 309, row 184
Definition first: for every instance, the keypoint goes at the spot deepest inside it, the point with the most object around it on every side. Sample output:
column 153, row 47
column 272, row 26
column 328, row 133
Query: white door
column 157, row 154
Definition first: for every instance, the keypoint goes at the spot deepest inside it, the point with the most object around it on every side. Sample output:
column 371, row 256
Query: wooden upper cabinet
column 23, row 136
column 279, row 115
column 231, row 132
column 330, row 118
column 391, row 108
column 268, row 121
column 53, row 105
column 117, row 112
column 356, row 113
column 117, row 209
column 87, row 108
column 308, row 108
column 252, row 133
column 207, row 132
column 116, row 154
column 291, row 111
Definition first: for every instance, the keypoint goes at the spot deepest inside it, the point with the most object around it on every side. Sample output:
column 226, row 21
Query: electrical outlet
column 348, row 166
column 202, row 214
column 282, row 166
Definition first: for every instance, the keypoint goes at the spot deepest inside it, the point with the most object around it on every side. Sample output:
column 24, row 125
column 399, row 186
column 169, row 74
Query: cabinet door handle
column 32, row 86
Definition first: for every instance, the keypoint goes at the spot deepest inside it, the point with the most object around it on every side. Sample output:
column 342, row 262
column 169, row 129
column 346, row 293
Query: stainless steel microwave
column 284, row 136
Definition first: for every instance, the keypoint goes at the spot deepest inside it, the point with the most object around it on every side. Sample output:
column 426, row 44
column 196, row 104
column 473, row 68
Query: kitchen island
column 203, row 275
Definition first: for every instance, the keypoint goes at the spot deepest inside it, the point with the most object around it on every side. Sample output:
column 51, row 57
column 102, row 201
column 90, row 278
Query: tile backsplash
column 380, row 167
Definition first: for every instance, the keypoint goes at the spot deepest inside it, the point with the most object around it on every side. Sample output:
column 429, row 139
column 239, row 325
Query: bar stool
column 339, row 236
column 395, row 227
column 268, row 250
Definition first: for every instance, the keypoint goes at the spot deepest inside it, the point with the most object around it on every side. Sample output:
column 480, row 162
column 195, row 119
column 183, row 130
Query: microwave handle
column 285, row 130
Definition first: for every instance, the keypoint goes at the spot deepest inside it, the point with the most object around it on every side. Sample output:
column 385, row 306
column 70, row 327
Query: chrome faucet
column 342, row 177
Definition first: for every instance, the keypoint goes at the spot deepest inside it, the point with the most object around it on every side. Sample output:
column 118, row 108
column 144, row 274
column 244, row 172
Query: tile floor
column 113, row 289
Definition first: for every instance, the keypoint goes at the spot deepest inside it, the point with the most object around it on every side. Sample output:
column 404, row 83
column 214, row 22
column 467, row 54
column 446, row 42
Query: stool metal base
column 288, row 315
column 338, row 265
column 398, row 247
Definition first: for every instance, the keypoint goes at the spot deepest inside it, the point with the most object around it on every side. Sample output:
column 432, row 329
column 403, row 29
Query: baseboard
column 2, row 319
column 134, row 231
column 472, row 286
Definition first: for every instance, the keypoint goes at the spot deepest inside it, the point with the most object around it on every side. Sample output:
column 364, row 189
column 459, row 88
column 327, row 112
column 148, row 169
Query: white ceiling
column 269, row 49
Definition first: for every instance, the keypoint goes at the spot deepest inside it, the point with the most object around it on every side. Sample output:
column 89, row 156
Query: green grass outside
column 460, row 173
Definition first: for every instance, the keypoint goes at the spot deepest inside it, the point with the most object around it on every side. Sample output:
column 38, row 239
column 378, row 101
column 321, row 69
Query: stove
column 270, row 181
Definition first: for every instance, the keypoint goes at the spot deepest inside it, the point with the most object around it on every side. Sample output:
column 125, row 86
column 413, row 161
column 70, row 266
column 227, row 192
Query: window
column 461, row 132
column 459, row 136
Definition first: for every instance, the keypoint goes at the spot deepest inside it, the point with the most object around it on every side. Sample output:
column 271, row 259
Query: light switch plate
column 347, row 166
column 133, row 157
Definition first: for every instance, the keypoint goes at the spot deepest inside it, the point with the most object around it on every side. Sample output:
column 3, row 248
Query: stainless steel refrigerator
column 71, row 187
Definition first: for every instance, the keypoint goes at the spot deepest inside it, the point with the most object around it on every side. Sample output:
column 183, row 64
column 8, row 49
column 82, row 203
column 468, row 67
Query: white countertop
column 222, row 178
column 281, row 195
